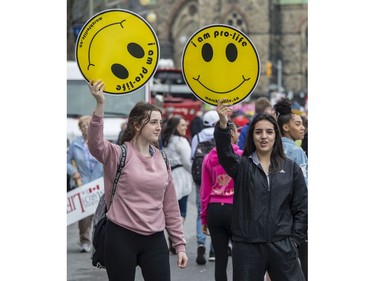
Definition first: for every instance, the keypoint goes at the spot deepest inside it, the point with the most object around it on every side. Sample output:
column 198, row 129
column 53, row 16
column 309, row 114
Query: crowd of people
column 251, row 200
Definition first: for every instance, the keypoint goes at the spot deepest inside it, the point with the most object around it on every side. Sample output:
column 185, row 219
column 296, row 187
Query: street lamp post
column 279, row 74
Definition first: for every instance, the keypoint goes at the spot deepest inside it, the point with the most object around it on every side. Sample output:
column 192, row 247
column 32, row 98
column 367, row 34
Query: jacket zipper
column 269, row 205
column 269, row 208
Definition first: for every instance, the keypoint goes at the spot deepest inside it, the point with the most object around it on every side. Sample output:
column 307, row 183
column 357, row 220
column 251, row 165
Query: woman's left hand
column 224, row 110
column 96, row 89
column 182, row 260
column 205, row 229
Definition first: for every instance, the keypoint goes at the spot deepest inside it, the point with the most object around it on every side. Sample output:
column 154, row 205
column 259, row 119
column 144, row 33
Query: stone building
column 278, row 29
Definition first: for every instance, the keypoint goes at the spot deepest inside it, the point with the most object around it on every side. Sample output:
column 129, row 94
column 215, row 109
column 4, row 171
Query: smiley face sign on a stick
column 120, row 48
column 219, row 61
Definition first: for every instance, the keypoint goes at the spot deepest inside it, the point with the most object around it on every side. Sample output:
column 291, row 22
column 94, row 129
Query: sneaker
column 212, row 256
column 200, row 255
column 85, row 248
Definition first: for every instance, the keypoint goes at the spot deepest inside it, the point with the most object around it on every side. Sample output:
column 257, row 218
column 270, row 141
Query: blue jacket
column 243, row 135
column 89, row 168
column 296, row 153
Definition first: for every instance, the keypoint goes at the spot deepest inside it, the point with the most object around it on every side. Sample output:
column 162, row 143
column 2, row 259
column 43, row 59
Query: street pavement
column 79, row 264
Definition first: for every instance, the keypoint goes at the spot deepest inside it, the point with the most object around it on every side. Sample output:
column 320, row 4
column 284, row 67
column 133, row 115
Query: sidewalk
column 79, row 264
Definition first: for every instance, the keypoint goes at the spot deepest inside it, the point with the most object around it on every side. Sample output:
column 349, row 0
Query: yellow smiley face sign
column 219, row 62
column 120, row 48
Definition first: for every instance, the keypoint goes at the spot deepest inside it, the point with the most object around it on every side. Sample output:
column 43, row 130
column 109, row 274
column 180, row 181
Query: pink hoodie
column 216, row 186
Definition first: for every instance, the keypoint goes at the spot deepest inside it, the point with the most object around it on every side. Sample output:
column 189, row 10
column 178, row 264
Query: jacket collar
column 255, row 158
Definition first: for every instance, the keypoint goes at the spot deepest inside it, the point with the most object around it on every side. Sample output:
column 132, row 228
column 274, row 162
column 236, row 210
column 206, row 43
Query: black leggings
column 124, row 250
column 219, row 218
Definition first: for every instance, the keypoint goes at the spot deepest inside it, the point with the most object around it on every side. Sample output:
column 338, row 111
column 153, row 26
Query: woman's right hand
column 77, row 178
column 224, row 110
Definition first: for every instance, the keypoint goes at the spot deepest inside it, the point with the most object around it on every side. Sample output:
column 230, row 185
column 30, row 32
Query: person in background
column 207, row 133
column 304, row 144
column 145, row 202
column 292, row 129
column 217, row 204
column 196, row 124
column 269, row 218
column 86, row 168
column 262, row 104
column 178, row 150
column 68, row 185
column 122, row 129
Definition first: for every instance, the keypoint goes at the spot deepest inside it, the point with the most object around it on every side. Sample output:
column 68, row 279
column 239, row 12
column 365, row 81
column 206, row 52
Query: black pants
column 302, row 253
column 219, row 219
column 124, row 250
column 252, row 260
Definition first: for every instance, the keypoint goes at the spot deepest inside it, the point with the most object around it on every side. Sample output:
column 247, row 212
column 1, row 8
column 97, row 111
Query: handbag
column 100, row 219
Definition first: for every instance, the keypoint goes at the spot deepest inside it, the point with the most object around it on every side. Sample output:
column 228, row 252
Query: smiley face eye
column 119, row 71
column 136, row 50
column 231, row 52
column 207, row 52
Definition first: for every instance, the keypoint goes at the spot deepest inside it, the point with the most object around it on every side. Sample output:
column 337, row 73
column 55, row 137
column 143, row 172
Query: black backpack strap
column 165, row 157
column 195, row 152
column 118, row 173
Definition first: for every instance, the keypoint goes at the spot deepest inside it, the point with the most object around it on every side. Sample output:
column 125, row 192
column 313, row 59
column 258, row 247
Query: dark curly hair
column 284, row 113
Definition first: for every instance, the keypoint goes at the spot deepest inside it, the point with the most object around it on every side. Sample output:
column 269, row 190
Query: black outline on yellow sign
column 92, row 39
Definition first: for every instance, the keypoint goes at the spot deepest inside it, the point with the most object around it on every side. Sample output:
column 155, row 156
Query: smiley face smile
column 222, row 92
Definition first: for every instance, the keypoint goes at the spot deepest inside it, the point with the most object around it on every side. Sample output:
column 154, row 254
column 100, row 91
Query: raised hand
column 224, row 110
column 96, row 89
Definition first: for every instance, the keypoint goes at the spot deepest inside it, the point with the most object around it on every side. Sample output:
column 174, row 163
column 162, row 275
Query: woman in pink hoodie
column 216, row 205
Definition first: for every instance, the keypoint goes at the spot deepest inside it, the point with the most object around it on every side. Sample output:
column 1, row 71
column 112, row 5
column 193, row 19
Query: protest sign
column 82, row 201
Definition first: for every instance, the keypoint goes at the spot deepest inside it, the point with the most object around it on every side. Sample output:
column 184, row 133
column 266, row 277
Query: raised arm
column 227, row 157
column 224, row 110
column 99, row 147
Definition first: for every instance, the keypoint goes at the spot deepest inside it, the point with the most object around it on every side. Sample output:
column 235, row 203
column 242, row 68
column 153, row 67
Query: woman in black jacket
column 270, row 201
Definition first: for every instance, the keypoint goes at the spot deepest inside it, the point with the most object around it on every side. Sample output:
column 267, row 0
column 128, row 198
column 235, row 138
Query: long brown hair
column 139, row 116
column 170, row 129
column 277, row 154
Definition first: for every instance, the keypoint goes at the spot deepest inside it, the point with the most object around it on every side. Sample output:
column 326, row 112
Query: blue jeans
column 201, row 237
column 183, row 206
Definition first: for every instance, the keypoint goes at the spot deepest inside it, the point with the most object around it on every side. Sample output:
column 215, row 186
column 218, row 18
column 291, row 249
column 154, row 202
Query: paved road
column 79, row 264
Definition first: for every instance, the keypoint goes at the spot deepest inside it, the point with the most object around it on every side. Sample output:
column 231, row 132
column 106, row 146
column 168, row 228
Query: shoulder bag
column 100, row 219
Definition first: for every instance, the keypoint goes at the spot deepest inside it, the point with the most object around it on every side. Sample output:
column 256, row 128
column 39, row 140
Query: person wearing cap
column 207, row 133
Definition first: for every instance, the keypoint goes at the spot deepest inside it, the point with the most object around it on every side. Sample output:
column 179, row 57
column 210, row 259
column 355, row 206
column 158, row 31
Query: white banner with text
column 82, row 201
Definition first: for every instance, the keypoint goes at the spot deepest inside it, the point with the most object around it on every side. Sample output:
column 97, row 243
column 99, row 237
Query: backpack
column 203, row 148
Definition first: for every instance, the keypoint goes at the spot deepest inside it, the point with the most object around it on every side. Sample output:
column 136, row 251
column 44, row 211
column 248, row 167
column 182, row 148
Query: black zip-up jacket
column 263, row 213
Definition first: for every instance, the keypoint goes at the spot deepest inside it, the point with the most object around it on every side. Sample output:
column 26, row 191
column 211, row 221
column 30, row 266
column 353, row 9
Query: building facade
column 277, row 28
